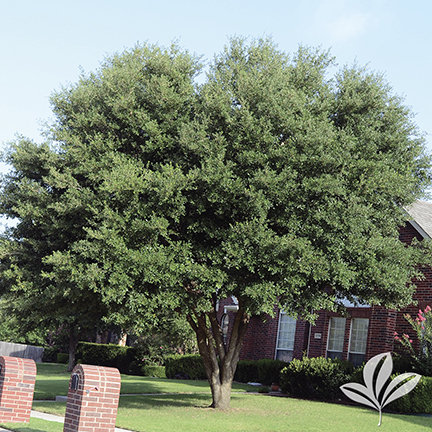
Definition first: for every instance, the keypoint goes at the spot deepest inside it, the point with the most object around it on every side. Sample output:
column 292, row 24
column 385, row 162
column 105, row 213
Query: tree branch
column 241, row 322
column 217, row 334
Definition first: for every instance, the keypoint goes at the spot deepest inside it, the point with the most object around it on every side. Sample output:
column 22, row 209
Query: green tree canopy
column 271, row 181
column 49, row 222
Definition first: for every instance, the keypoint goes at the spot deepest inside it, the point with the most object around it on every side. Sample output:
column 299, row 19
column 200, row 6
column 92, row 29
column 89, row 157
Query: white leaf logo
column 370, row 394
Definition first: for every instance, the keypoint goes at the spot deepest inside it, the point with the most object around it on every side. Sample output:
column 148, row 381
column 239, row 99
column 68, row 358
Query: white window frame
column 350, row 351
column 328, row 350
column 290, row 348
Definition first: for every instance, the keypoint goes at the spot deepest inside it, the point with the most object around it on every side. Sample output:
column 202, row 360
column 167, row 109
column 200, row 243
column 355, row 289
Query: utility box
column 92, row 399
column 17, row 383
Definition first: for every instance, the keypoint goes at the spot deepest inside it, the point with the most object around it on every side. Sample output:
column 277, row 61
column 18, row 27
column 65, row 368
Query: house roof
column 421, row 217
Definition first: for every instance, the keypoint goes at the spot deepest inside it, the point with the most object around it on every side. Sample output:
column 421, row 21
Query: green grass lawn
column 185, row 412
column 35, row 425
column 53, row 380
column 249, row 413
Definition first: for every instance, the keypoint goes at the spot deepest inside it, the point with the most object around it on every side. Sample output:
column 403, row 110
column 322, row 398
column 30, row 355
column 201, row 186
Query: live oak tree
column 271, row 181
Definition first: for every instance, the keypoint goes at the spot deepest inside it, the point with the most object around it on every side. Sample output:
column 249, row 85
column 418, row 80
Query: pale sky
column 43, row 44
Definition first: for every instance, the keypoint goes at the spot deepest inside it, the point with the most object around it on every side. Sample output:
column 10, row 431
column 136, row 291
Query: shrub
column 417, row 401
column 264, row 371
column 317, row 378
column 264, row 389
column 154, row 371
column 247, row 371
column 185, row 366
column 62, row 358
column 50, row 354
column 146, row 368
column 401, row 364
column 269, row 370
column 143, row 368
column 105, row 355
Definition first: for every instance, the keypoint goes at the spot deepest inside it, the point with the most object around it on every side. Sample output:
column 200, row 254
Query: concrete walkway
column 54, row 418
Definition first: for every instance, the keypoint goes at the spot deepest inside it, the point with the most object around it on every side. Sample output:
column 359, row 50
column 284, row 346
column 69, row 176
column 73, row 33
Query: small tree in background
column 49, row 222
column 10, row 329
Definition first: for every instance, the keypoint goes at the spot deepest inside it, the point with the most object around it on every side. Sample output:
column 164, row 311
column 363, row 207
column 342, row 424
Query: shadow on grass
column 414, row 419
column 145, row 402
column 53, row 379
column 134, row 384
column 52, row 369
column 28, row 429
column 164, row 401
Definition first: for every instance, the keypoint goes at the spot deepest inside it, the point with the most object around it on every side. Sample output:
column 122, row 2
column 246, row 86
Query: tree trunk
column 122, row 339
column 220, row 361
column 221, row 394
column 73, row 345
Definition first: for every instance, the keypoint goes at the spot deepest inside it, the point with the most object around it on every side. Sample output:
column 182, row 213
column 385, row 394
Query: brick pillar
column 92, row 399
column 17, row 382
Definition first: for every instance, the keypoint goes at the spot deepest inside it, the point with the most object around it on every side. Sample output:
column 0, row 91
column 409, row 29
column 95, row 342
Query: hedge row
column 185, row 367
column 125, row 359
column 265, row 371
column 110, row 355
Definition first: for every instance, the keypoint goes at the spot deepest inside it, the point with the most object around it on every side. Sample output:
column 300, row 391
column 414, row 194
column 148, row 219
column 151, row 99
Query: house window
column 285, row 337
column 336, row 336
column 358, row 340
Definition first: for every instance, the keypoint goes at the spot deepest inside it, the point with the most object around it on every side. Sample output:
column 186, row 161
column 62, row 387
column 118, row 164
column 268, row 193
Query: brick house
column 365, row 332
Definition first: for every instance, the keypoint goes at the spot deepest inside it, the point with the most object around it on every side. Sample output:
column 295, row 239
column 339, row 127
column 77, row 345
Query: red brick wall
column 261, row 336
column 260, row 339
column 17, row 381
column 408, row 233
column 92, row 407
column 301, row 339
column 422, row 296
column 318, row 336
column 382, row 326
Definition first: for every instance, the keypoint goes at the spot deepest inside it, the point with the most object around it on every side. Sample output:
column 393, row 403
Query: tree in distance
column 49, row 221
column 270, row 181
